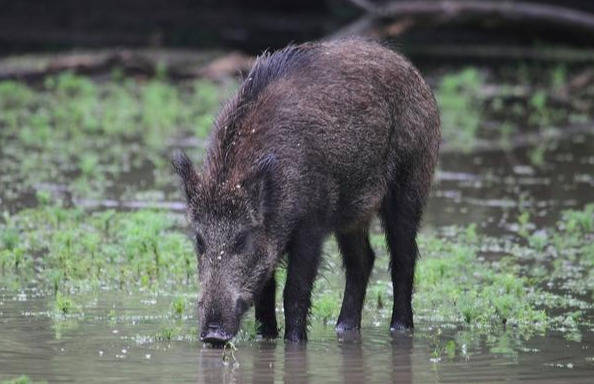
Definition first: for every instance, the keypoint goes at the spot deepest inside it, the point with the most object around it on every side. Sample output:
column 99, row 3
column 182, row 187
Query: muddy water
column 488, row 187
column 93, row 350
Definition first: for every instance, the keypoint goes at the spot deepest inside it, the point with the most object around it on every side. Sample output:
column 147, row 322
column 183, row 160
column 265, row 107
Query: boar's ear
column 182, row 165
column 260, row 186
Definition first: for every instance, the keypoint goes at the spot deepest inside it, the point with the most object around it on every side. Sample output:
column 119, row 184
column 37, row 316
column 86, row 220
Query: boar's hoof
column 399, row 327
column 267, row 334
column 295, row 337
column 349, row 336
column 346, row 327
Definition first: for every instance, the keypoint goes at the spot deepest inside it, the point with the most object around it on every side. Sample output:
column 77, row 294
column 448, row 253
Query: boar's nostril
column 214, row 335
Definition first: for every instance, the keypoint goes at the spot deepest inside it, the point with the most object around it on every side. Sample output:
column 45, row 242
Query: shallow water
column 93, row 350
column 488, row 188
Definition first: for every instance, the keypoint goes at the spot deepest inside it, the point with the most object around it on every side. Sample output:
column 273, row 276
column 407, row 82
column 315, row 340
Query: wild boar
column 319, row 138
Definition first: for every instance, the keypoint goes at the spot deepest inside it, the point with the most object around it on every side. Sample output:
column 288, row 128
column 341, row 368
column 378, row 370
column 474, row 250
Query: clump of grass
column 248, row 330
column 453, row 285
column 538, row 240
column 21, row 380
column 83, row 250
column 64, row 305
column 326, row 306
column 579, row 220
column 12, row 250
column 178, row 306
column 167, row 333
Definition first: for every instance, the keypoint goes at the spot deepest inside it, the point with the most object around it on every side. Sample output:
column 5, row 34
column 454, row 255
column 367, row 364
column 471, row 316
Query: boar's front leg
column 265, row 310
column 358, row 258
column 304, row 258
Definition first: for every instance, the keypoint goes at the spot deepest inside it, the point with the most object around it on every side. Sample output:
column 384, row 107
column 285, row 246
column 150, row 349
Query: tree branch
column 451, row 9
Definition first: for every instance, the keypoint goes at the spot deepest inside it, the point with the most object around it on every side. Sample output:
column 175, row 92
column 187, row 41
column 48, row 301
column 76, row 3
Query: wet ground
column 513, row 199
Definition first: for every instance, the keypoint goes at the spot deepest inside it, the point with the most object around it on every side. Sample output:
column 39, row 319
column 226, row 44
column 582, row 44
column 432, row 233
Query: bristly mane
column 268, row 68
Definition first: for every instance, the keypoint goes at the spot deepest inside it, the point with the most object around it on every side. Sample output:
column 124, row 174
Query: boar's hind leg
column 265, row 311
column 304, row 258
column 358, row 260
column 401, row 214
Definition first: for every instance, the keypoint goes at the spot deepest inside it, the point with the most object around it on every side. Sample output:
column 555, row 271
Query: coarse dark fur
column 319, row 139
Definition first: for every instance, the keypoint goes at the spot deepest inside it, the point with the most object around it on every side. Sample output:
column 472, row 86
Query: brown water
column 487, row 187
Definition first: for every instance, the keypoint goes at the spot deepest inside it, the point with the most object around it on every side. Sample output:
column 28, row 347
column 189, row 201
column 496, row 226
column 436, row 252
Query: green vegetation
column 168, row 333
column 85, row 135
column 84, row 251
column 455, row 284
column 75, row 136
column 98, row 139
column 64, row 304
column 522, row 100
column 21, row 380
column 460, row 105
column 178, row 306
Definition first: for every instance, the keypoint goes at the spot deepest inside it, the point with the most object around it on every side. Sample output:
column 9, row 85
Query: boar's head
column 235, row 257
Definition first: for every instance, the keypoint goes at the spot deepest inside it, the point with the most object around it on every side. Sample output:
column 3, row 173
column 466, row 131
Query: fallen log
column 178, row 64
column 444, row 11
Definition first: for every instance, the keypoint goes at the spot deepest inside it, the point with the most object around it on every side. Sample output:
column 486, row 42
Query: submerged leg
column 358, row 260
column 266, row 310
column 304, row 258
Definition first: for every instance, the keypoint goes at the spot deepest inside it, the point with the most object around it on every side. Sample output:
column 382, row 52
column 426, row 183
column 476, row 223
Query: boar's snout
column 213, row 333
column 220, row 326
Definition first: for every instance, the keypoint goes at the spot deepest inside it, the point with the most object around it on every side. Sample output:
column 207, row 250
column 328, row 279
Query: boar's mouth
column 215, row 335
column 218, row 332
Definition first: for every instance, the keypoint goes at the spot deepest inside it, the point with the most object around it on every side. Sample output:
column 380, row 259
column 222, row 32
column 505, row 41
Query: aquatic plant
column 178, row 306
column 64, row 305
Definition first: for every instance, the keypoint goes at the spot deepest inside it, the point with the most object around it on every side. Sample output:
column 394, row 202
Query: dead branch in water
column 177, row 64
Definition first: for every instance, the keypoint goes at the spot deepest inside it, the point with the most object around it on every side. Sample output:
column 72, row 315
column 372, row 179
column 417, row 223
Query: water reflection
column 212, row 368
column 296, row 364
column 354, row 365
column 402, row 349
column 264, row 363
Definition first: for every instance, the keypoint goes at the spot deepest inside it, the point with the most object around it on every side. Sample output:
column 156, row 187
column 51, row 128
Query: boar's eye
column 200, row 245
column 242, row 242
